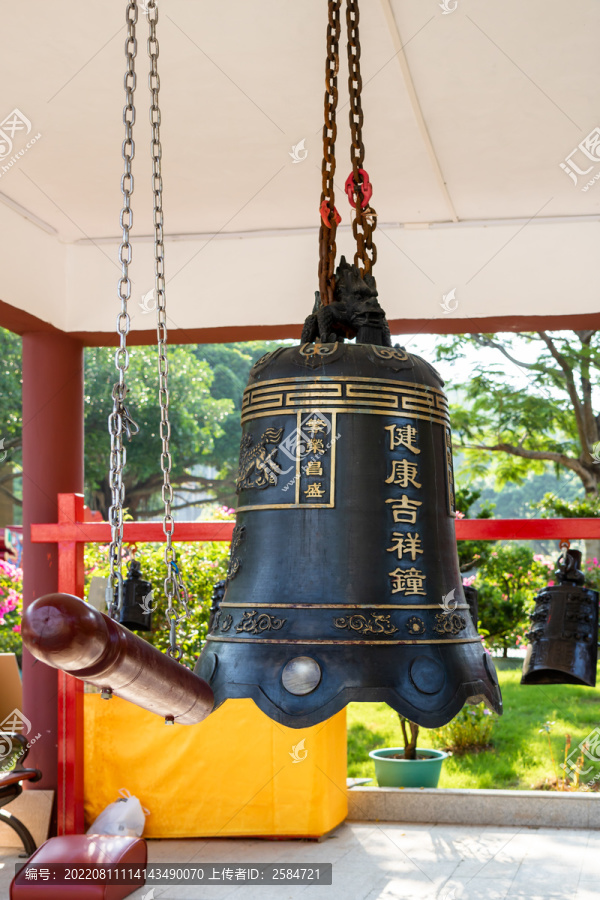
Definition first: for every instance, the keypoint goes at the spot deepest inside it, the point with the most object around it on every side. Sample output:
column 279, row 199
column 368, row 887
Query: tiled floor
column 388, row 861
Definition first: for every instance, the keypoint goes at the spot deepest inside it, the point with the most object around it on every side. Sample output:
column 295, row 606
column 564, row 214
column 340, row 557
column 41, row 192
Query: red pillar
column 52, row 464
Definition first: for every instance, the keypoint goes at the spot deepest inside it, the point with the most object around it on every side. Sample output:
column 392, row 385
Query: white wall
column 500, row 270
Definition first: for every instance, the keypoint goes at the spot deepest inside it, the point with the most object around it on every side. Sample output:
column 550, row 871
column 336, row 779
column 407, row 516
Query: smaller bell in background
column 136, row 612
column 563, row 646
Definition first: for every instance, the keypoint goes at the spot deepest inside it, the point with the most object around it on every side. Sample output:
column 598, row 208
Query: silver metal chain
column 119, row 421
column 177, row 599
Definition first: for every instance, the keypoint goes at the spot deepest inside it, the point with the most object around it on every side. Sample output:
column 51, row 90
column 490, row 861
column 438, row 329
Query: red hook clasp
column 365, row 186
column 324, row 210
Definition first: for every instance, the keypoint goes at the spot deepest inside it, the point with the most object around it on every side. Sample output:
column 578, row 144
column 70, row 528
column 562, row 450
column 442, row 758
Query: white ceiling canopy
column 482, row 137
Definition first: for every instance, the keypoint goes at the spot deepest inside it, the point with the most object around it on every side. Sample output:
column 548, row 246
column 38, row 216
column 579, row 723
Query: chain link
column 177, row 598
column 365, row 220
column 327, row 248
column 119, row 421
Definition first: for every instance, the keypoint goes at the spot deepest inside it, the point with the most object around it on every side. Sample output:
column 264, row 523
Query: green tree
column 206, row 385
column 196, row 419
column 207, row 382
column 550, row 421
column 230, row 365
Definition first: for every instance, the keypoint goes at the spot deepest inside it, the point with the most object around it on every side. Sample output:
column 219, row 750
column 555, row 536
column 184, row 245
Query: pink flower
column 460, row 515
column 467, row 582
column 17, row 628
column 537, row 557
column 595, row 561
column 550, row 584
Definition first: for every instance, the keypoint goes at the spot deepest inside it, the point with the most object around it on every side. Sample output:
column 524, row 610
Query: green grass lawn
column 519, row 758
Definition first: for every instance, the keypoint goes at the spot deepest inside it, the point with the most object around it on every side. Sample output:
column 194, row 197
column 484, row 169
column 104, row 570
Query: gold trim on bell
column 340, row 606
column 251, row 640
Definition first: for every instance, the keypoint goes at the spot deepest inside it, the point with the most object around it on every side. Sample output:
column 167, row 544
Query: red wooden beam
column 138, row 532
column 22, row 322
column 466, row 530
column 526, row 529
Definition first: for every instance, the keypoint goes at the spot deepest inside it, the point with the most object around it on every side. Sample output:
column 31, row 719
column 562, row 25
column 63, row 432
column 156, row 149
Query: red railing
column 74, row 529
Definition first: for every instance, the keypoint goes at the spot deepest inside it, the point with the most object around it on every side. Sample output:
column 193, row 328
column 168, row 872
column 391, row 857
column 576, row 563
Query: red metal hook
column 365, row 186
column 324, row 210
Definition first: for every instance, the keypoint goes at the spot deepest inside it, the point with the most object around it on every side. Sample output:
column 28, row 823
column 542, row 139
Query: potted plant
column 408, row 766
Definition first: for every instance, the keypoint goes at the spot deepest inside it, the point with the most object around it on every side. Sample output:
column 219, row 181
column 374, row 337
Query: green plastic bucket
column 407, row 772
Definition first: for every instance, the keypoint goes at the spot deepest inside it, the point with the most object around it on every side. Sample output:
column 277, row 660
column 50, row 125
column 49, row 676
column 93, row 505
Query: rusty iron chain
column 365, row 220
column 175, row 591
column 327, row 248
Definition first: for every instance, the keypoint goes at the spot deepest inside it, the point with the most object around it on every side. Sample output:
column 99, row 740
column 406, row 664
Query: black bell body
column 563, row 646
column 343, row 581
column 136, row 611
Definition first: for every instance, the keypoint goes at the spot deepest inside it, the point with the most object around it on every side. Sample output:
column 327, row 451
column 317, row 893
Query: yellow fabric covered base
column 233, row 774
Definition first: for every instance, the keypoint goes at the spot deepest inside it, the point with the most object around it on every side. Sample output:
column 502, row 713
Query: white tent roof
column 468, row 115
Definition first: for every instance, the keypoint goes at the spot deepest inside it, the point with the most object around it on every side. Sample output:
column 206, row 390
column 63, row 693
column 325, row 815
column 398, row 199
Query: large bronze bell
column 563, row 646
column 343, row 581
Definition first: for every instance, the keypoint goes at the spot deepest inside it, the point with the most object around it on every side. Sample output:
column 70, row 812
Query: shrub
column 11, row 607
column 469, row 732
column 201, row 565
column 592, row 574
column 507, row 583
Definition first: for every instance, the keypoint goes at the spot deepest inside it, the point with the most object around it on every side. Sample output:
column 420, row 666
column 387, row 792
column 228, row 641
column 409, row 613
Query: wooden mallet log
column 68, row 634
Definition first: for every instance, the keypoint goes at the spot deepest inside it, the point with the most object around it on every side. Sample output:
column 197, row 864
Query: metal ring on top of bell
column 563, row 646
column 344, row 580
column 136, row 612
